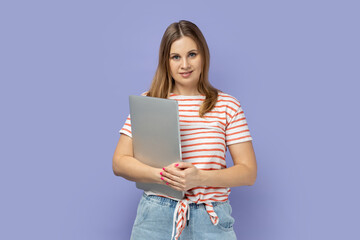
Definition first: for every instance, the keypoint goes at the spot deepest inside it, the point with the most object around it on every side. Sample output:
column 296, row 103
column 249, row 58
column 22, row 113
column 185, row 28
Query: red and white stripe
column 203, row 143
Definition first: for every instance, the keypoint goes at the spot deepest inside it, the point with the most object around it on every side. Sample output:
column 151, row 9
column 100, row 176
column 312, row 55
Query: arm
column 125, row 165
column 185, row 175
column 242, row 173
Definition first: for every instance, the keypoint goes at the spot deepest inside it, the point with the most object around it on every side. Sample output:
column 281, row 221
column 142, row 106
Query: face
column 185, row 63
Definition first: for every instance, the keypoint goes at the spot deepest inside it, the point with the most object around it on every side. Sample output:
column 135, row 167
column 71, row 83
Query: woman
column 209, row 120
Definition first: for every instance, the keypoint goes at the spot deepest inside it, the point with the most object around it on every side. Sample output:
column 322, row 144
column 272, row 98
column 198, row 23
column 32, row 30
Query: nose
column 185, row 64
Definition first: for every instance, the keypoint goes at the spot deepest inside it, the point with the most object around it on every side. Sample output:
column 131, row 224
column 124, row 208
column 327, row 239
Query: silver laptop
column 156, row 136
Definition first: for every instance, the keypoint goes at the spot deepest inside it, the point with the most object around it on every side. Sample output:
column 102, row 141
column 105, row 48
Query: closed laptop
column 156, row 137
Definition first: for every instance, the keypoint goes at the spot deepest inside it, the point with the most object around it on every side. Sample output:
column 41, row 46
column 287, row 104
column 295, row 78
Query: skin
column 183, row 176
column 185, row 56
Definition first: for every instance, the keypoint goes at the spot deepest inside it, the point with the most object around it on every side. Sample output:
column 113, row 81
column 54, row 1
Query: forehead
column 183, row 45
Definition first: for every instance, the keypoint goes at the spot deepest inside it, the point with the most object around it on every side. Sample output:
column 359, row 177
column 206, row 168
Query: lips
column 186, row 74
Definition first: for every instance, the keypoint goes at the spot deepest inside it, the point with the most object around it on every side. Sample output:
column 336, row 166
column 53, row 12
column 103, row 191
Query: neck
column 185, row 92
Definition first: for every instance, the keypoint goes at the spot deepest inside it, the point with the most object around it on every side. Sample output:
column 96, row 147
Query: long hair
column 162, row 83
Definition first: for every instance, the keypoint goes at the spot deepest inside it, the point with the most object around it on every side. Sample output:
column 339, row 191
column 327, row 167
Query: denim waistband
column 172, row 203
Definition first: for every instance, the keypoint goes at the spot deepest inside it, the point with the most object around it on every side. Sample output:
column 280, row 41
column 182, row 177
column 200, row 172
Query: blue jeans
column 154, row 220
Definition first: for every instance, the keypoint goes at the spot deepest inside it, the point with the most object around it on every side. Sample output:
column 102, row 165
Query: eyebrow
column 188, row 52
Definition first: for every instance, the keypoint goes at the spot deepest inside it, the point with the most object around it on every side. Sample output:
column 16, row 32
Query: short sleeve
column 126, row 129
column 237, row 129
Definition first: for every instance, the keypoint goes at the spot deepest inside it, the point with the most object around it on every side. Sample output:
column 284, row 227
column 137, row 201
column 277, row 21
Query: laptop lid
column 156, row 136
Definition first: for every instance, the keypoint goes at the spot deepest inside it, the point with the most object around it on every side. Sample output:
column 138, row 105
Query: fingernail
column 162, row 178
column 163, row 168
column 167, row 183
column 160, row 173
column 176, row 165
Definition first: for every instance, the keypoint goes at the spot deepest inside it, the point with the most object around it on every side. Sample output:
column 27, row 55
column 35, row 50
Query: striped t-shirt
column 204, row 142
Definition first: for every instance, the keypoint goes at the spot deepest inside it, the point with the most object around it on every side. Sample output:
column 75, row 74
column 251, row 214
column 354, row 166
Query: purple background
column 67, row 68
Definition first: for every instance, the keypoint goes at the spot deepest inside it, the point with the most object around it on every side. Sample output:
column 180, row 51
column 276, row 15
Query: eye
column 193, row 53
column 175, row 57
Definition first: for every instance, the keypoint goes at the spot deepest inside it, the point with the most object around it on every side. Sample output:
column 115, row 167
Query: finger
column 172, row 177
column 173, row 171
column 184, row 165
column 175, row 187
column 171, row 183
column 173, row 165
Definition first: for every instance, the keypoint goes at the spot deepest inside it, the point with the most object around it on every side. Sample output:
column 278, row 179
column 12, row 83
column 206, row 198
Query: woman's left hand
column 181, row 176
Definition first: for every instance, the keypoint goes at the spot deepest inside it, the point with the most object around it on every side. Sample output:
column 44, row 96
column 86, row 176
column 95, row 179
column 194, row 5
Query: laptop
column 156, row 137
